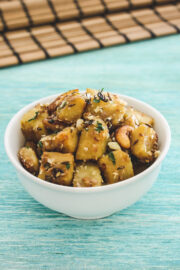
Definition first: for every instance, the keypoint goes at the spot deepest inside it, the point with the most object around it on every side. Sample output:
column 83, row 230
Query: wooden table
column 144, row 236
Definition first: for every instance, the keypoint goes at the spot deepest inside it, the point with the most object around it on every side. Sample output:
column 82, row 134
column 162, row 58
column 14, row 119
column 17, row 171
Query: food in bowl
column 97, row 201
column 87, row 139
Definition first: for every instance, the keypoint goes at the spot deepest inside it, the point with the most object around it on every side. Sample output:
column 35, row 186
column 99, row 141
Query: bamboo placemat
column 33, row 30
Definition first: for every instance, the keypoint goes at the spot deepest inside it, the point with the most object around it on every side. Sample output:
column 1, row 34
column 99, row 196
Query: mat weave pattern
column 32, row 30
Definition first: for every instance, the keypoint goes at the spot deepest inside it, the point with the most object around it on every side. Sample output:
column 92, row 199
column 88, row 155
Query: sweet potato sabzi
column 87, row 139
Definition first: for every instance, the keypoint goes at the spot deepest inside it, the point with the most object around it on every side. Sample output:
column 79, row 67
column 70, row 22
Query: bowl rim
column 53, row 186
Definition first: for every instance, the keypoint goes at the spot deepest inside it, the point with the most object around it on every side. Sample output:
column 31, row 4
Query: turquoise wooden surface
column 144, row 236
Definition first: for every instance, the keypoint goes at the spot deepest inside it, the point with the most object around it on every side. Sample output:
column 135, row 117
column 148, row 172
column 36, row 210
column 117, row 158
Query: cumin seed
column 136, row 141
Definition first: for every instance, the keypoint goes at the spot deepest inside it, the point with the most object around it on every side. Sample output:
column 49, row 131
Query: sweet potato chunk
column 134, row 118
column 57, row 168
column 29, row 159
column 53, row 105
column 87, row 175
column 64, row 141
column 105, row 105
column 32, row 123
column 70, row 108
column 144, row 143
column 144, row 118
column 116, row 166
column 93, row 140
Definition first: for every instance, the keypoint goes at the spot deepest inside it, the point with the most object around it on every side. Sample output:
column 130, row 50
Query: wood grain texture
column 144, row 236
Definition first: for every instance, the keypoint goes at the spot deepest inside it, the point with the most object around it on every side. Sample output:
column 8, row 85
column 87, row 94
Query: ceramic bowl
column 95, row 202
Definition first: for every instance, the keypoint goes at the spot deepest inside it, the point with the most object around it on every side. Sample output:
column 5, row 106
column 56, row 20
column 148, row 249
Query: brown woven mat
column 32, row 30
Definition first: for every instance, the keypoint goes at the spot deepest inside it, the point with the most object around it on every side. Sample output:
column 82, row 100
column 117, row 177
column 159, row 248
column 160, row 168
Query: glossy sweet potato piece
column 105, row 105
column 70, row 107
column 29, row 160
column 93, row 140
column 134, row 118
column 144, row 143
column 57, row 168
column 55, row 103
column 87, row 175
column 64, row 141
column 116, row 166
column 32, row 123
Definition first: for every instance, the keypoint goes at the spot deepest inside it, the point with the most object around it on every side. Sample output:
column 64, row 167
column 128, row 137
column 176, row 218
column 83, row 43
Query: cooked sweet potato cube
column 53, row 105
column 29, row 159
column 105, row 105
column 87, row 175
column 134, row 118
column 116, row 166
column 71, row 107
column 57, row 168
column 32, row 123
column 64, row 141
column 93, row 140
column 144, row 118
column 144, row 143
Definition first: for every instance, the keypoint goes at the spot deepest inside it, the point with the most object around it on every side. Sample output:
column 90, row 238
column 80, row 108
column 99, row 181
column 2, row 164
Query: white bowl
column 95, row 202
